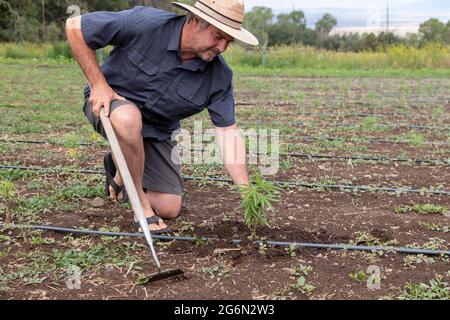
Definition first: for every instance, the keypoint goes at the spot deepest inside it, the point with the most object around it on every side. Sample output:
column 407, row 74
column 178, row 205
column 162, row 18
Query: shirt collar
column 175, row 38
column 174, row 45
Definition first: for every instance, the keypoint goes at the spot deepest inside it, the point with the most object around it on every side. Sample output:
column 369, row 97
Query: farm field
column 363, row 161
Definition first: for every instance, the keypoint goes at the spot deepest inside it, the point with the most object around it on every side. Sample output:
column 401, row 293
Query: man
column 163, row 68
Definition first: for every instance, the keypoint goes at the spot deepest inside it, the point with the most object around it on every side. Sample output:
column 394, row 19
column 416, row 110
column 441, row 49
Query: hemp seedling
column 257, row 198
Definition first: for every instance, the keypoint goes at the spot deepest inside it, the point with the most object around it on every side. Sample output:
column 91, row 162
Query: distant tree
column 289, row 28
column 447, row 33
column 296, row 17
column 325, row 24
column 370, row 42
column 433, row 30
column 258, row 20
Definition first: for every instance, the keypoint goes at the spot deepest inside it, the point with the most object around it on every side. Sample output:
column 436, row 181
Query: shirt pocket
column 143, row 69
column 192, row 93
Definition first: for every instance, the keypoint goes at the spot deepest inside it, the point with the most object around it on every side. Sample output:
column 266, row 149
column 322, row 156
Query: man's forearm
column 233, row 154
column 84, row 55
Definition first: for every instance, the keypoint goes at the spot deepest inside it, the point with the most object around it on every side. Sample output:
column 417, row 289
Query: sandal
column 110, row 171
column 152, row 220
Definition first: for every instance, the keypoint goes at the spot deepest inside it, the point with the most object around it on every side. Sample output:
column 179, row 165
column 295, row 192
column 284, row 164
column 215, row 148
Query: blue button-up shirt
column 145, row 67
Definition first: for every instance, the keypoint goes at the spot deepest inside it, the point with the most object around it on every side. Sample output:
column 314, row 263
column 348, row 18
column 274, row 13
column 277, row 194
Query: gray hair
column 191, row 17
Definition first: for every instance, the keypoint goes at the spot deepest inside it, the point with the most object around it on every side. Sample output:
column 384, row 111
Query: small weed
column 7, row 189
column 300, row 273
column 365, row 238
column 38, row 241
column 186, row 226
column 291, row 250
column 5, row 239
column 35, row 185
column 200, row 242
column 371, row 124
column 434, row 227
column 287, row 165
column 358, row 275
column 438, row 113
column 432, row 244
column 218, row 271
column 301, row 270
column 262, row 248
column 435, row 290
column 412, row 260
column 426, row 208
column 414, row 138
column 281, row 294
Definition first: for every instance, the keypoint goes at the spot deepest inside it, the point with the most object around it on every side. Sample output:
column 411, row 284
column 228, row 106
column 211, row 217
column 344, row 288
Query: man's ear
column 194, row 20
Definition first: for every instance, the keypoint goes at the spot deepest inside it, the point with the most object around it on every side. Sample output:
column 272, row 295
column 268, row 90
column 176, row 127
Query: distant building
column 400, row 31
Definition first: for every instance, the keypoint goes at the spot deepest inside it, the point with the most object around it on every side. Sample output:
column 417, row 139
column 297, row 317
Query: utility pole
column 387, row 17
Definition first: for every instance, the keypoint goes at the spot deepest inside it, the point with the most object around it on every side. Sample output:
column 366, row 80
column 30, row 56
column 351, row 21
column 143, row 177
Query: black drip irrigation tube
column 344, row 139
column 430, row 104
column 227, row 180
column 305, row 138
column 356, row 114
column 365, row 158
column 347, row 125
column 283, row 154
column 237, row 241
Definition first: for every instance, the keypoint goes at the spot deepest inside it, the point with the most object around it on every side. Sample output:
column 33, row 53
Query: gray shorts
column 161, row 174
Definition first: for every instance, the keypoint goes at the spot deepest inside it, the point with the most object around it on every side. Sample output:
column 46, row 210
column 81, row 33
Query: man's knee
column 169, row 211
column 167, row 206
column 127, row 119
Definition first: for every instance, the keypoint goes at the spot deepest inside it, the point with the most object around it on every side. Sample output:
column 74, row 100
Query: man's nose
column 222, row 46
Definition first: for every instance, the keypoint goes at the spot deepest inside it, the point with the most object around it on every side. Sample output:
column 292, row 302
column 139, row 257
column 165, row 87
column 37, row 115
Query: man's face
column 210, row 42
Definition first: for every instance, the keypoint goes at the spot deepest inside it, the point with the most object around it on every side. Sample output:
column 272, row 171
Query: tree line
column 43, row 21
column 291, row 28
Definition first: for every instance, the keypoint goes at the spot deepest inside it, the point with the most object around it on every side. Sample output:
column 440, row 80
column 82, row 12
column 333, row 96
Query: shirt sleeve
column 222, row 108
column 103, row 28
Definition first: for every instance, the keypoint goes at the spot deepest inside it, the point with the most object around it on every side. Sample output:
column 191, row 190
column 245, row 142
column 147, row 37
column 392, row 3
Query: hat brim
column 239, row 34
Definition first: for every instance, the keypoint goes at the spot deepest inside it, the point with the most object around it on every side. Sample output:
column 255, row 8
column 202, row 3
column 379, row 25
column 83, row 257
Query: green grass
column 401, row 61
column 333, row 72
column 39, row 266
column 51, row 195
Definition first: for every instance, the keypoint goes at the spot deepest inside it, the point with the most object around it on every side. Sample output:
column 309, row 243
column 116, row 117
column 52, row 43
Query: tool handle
column 122, row 165
column 128, row 182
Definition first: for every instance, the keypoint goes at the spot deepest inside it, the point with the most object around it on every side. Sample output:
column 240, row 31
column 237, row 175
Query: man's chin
column 208, row 56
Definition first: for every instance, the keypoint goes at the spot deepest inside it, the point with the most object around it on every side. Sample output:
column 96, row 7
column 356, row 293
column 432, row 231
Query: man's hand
column 101, row 96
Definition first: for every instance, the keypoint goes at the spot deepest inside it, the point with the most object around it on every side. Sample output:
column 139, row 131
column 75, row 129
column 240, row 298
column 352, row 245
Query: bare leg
column 127, row 124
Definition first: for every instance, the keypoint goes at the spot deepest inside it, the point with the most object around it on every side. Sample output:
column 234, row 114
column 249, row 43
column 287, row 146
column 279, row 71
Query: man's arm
column 233, row 154
column 101, row 93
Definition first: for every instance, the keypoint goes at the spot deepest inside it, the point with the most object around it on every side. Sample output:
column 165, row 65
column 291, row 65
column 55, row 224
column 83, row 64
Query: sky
column 359, row 12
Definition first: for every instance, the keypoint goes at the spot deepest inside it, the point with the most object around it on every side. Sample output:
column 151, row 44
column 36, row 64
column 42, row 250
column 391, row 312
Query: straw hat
column 226, row 15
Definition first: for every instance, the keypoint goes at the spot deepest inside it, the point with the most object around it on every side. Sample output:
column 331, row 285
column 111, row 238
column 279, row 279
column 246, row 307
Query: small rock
column 98, row 202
